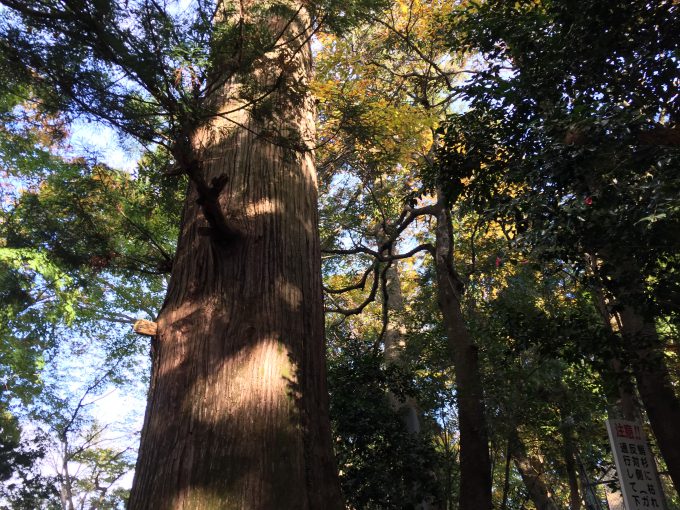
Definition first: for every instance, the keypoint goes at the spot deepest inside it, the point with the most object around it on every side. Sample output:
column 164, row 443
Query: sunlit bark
column 237, row 410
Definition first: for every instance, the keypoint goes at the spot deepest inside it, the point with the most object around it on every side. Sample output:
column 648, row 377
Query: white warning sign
column 635, row 465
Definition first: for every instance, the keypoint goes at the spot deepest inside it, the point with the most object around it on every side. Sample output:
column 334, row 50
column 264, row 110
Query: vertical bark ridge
column 237, row 413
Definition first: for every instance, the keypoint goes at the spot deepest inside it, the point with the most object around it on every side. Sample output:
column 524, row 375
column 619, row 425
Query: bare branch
column 352, row 251
column 415, row 48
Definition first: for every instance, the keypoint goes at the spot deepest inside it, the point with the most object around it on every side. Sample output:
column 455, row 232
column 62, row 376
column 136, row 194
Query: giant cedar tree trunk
column 475, row 463
column 237, row 414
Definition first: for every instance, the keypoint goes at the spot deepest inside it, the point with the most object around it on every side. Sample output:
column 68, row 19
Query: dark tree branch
column 371, row 297
column 360, row 285
column 352, row 251
column 209, row 200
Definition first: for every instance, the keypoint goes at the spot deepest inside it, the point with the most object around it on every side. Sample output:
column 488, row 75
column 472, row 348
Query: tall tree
column 580, row 149
column 475, row 464
column 237, row 411
column 238, row 371
column 384, row 112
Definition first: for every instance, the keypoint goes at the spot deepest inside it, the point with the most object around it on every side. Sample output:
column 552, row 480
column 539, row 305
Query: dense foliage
column 549, row 129
column 571, row 133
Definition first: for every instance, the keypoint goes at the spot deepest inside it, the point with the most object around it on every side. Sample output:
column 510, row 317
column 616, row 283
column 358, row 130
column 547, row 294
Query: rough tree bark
column 475, row 463
column 237, row 414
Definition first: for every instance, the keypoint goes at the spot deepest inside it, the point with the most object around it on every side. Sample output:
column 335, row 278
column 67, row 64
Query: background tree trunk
column 395, row 343
column 654, row 386
column 645, row 354
column 531, row 470
column 570, row 466
column 626, row 405
column 475, row 464
column 237, row 413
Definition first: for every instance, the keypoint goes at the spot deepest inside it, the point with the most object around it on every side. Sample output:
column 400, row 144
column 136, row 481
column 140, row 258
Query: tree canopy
column 498, row 242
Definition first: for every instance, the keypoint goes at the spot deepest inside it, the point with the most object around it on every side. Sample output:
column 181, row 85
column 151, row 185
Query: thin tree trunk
column 570, row 464
column 66, row 489
column 626, row 404
column 237, row 414
column 506, row 479
column 475, row 464
column 531, row 470
column 590, row 498
column 395, row 343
